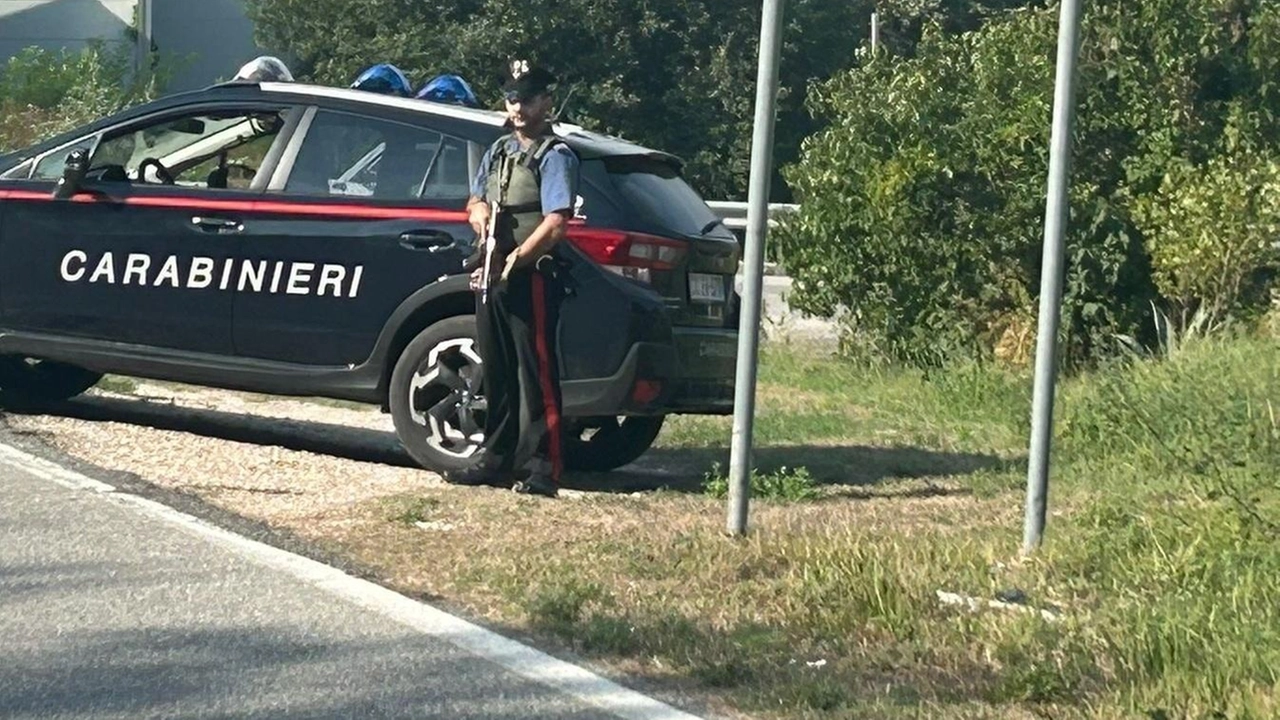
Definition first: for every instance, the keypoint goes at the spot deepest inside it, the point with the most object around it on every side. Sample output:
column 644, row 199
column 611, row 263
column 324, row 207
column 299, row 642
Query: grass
column 882, row 487
column 875, row 488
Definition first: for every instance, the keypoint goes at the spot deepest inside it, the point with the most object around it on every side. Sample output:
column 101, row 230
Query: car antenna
column 560, row 112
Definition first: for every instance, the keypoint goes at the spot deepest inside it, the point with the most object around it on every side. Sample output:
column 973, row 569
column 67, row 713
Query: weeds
column 785, row 484
column 409, row 511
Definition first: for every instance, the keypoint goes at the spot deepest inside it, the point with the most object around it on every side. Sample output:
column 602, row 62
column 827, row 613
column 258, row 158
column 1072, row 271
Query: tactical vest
column 515, row 181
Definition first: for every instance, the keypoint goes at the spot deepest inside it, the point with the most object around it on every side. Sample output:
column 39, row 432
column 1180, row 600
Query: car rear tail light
column 629, row 254
column 646, row 391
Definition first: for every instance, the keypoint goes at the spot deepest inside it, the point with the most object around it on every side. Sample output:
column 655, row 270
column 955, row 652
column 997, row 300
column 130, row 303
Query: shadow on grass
column 760, row 665
column 676, row 470
column 854, row 466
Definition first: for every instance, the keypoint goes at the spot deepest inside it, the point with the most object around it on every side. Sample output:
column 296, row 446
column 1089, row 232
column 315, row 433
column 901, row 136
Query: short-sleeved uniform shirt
column 559, row 168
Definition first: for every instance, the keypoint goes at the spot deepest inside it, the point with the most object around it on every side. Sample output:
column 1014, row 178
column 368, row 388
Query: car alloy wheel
column 444, row 397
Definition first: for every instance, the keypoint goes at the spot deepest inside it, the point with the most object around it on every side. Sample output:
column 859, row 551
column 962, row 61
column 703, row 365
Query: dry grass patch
column 806, row 613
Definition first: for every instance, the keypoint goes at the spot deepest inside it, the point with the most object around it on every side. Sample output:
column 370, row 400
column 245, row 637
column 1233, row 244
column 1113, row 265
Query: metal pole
column 1055, row 222
column 875, row 31
column 757, row 225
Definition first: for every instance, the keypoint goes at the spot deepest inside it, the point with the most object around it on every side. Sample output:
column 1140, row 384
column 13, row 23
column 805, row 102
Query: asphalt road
column 111, row 609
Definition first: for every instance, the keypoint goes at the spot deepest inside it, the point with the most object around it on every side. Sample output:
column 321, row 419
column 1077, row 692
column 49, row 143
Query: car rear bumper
column 626, row 392
column 693, row 375
column 708, row 364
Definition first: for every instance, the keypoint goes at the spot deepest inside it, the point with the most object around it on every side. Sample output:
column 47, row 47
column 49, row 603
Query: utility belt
column 552, row 265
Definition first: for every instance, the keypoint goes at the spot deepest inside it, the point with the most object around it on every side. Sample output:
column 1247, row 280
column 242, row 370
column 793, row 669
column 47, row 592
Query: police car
column 302, row 240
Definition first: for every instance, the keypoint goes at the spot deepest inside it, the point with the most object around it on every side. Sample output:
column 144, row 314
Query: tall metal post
column 744, row 399
column 1055, row 222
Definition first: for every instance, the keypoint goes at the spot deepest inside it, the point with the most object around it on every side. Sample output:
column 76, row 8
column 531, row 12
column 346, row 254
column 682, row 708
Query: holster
column 559, row 270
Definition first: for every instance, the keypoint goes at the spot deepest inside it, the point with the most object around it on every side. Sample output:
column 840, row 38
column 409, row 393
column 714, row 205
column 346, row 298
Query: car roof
column 586, row 143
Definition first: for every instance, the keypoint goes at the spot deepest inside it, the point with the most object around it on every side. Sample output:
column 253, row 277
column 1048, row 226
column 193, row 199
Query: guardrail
column 734, row 214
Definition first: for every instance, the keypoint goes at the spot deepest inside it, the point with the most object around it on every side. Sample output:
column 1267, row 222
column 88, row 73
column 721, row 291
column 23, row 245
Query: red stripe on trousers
column 552, row 412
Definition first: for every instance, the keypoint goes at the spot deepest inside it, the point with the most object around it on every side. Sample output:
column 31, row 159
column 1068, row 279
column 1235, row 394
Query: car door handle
column 430, row 241
column 221, row 226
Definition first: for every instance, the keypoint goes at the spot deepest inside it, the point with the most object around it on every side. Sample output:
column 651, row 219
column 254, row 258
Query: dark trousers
column 517, row 332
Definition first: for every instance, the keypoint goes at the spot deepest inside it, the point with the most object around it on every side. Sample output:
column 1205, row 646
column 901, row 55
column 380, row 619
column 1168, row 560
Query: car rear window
column 655, row 189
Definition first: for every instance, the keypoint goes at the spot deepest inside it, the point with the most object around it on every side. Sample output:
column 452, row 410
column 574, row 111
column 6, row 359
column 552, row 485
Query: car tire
column 439, row 370
column 32, row 382
column 616, row 441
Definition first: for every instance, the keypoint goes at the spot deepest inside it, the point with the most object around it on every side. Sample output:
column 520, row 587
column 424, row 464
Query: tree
column 674, row 74
column 923, row 199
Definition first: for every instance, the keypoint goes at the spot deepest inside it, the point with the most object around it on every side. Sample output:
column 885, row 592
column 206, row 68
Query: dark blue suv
column 302, row 240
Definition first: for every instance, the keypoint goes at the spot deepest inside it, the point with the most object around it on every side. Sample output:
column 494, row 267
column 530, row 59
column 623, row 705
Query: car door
column 363, row 212
column 147, row 252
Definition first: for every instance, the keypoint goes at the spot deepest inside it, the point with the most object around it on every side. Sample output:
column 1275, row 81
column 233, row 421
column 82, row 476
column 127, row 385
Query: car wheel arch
column 443, row 299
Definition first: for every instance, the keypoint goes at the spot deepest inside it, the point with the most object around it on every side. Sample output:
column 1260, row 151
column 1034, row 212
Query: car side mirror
column 77, row 164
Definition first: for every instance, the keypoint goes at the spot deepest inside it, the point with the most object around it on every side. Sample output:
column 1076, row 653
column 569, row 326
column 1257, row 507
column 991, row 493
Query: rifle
column 490, row 241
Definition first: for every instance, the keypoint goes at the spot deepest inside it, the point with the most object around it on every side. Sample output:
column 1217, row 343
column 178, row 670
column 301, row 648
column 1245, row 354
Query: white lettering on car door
column 201, row 273
column 300, row 273
column 106, row 267
column 331, row 276
column 169, row 270
column 246, row 273
column 226, row 273
column 136, row 265
column 355, row 281
column 275, row 278
column 298, row 278
column 66, row 265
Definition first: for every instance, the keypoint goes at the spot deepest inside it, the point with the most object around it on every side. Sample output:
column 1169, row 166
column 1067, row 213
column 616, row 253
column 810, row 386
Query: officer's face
column 530, row 112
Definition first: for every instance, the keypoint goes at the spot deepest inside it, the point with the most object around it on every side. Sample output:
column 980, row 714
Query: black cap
column 527, row 80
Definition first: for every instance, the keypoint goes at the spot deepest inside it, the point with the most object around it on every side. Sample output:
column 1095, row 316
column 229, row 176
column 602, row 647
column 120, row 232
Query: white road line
column 516, row 657
column 52, row 471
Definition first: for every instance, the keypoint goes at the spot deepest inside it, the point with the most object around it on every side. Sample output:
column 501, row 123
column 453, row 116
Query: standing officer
column 532, row 175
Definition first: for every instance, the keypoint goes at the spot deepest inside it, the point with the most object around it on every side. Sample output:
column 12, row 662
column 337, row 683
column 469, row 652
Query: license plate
column 706, row 288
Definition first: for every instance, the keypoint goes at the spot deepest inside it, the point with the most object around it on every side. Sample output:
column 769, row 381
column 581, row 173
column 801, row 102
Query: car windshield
column 656, row 189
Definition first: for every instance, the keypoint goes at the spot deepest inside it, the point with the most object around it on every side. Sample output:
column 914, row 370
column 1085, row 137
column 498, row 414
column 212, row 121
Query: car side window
column 19, row 172
column 219, row 150
column 345, row 154
column 50, row 166
column 450, row 175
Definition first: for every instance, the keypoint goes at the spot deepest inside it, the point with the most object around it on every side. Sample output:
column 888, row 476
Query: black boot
column 536, row 479
column 479, row 474
column 535, row 485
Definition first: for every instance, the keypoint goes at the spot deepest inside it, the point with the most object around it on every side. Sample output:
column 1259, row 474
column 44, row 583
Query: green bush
column 43, row 93
column 923, row 200
column 1211, row 232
